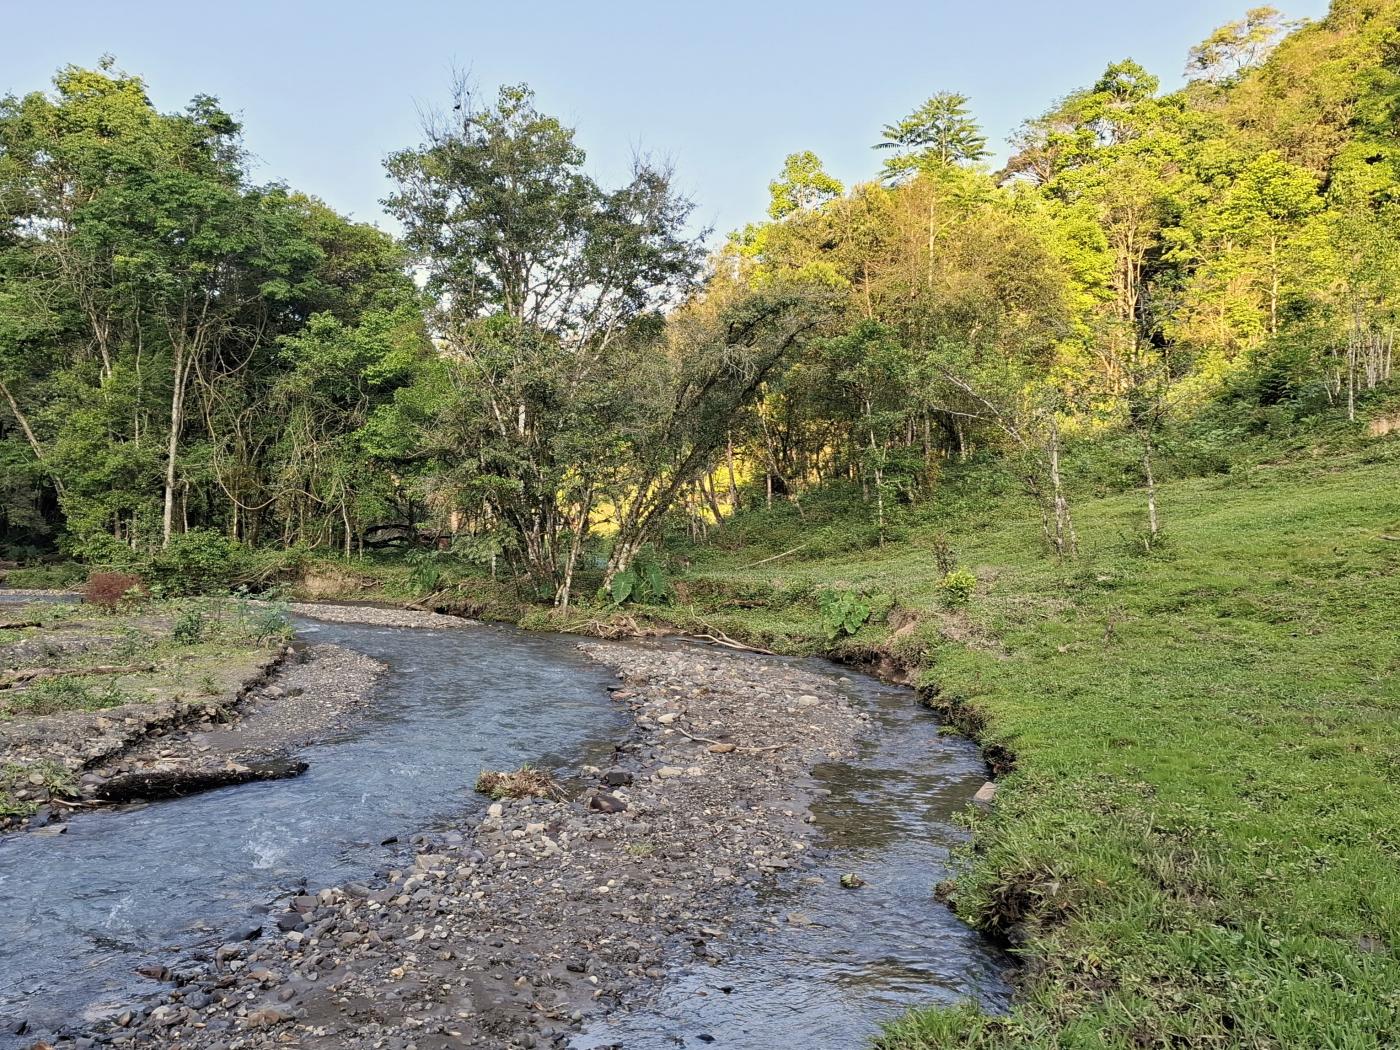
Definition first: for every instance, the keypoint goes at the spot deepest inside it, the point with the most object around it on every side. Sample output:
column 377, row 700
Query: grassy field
column 1197, row 841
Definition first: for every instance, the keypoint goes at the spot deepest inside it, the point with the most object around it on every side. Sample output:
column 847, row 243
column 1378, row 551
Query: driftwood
column 176, row 782
column 33, row 674
column 722, row 743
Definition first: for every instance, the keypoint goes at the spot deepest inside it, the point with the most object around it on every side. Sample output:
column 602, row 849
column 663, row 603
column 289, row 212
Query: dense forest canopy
column 544, row 372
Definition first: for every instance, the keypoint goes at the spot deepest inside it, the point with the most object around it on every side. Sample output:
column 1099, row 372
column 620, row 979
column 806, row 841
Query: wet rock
column 605, row 803
column 616, row 777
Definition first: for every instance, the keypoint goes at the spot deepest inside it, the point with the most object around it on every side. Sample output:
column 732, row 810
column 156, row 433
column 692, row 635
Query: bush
column 107, row 590
column 266, row 622
column 643, row 582
column 199, row 562
column 188, row 628
column 957, row 587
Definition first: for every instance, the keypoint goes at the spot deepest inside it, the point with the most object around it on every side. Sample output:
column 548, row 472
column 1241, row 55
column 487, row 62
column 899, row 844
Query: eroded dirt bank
column 515, row 930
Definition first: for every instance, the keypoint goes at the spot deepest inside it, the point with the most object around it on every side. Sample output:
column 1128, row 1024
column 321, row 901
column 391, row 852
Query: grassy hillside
column 1197, row 838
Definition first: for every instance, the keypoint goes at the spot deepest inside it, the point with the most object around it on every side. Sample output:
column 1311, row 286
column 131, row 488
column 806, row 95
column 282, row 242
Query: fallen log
column 146, row 785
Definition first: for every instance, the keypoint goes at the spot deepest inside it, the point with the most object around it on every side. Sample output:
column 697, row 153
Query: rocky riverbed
column 381, row 616
column 518, row 929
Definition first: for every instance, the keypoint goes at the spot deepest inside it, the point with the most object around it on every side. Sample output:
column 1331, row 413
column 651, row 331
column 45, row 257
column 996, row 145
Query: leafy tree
column 545, row 285
column 803, row 185
column 1238, row 46
column 940, row 132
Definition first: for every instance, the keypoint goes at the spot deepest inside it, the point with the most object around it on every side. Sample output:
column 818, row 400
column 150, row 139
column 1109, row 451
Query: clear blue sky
column 724, row 88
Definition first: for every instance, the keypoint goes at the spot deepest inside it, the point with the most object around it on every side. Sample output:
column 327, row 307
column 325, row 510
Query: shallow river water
column 122, row 888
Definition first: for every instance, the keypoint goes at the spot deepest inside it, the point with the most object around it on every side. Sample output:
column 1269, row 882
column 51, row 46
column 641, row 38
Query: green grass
column 58, row 576
column 51, row 696
column 1198, row 840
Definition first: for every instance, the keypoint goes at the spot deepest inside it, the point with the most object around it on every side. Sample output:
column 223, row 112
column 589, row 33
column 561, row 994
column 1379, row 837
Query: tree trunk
column 733, row 481
column 580, row 527
column 177, row 414
column 1065, row 540
column 29, row 436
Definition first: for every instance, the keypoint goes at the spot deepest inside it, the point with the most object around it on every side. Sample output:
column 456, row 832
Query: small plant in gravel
column 525, row 782
column 17, row 778
column 188, row 628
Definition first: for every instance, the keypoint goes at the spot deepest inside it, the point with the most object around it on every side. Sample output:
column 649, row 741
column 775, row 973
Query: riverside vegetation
column 1099, row 448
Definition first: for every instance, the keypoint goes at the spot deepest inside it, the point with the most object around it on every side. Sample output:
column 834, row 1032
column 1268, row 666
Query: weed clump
column 525, row 782
column 50, row 696
column 956, row 588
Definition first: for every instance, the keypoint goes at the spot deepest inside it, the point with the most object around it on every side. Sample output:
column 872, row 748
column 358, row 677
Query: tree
column 538, row 275
column 1238, row 46
column 940, row 132
column 147, row 285
column 803, row 185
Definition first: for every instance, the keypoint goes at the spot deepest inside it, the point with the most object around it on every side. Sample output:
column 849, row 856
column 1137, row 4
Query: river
column 126, row 887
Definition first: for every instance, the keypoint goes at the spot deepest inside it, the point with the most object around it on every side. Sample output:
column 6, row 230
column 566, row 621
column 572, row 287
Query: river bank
column 162, row 700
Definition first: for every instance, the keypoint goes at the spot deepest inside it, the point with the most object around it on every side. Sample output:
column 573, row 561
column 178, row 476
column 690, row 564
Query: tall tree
column 940, row 132
column 537, row 274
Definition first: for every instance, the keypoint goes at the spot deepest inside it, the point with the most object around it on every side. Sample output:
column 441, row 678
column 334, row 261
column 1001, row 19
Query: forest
column 544, row 372
column 1035, row 432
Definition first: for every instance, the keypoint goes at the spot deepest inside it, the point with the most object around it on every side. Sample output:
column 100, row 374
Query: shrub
column 843, row 612
column 266, row 621
column 957, row 587
column 107, row 590
column 198, row 562
column 643, row 582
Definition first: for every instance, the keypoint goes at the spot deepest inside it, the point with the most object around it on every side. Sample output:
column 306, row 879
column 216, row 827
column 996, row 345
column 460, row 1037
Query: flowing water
column 855, row 956
column 126, row 887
